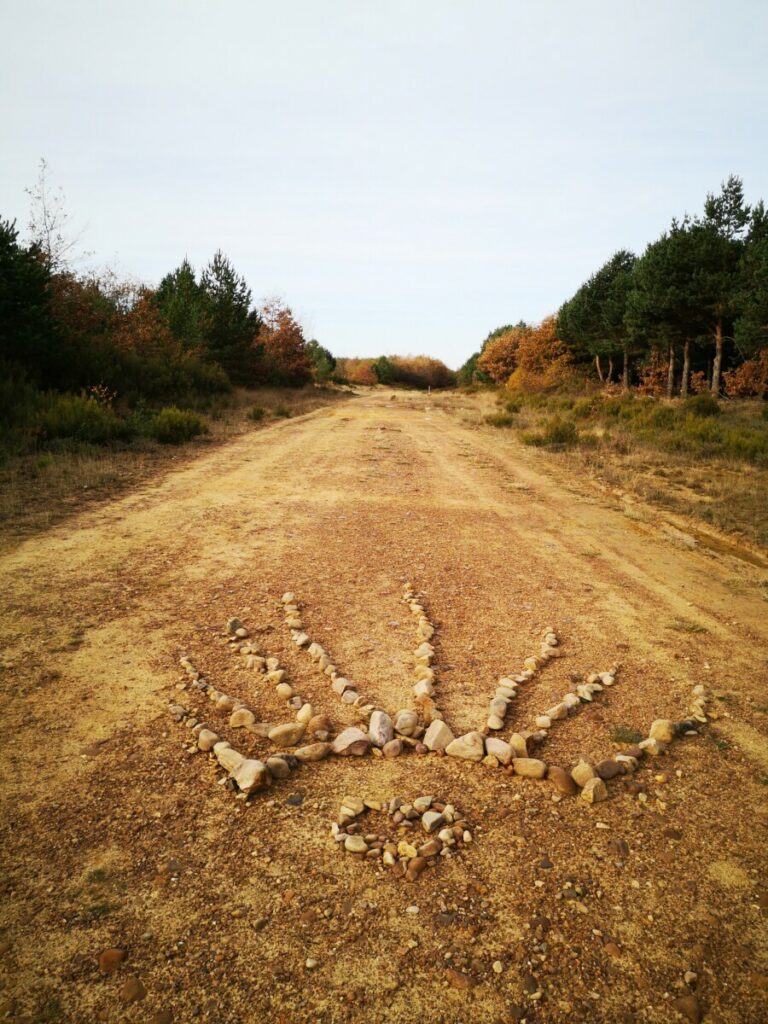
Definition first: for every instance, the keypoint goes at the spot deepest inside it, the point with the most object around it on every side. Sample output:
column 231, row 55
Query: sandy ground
column 114, row 835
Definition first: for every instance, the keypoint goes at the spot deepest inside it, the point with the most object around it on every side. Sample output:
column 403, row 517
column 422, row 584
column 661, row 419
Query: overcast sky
column 408, row 175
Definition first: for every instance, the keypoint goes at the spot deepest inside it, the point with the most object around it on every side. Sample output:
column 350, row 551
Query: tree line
column 689, row 314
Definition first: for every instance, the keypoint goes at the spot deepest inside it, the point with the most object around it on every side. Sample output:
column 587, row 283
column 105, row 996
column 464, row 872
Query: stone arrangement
column 308, row 737
column 428, row 829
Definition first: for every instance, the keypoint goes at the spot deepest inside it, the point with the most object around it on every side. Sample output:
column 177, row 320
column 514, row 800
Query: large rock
column 438, row 736
column 251, row 775
column 288, row 734
column 380, row 728
column 469, row 747
column 529, row 767
column 351, row 742
column 406, row 722
column 501, row 750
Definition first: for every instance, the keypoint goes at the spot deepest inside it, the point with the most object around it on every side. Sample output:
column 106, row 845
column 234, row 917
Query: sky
column 406, row 175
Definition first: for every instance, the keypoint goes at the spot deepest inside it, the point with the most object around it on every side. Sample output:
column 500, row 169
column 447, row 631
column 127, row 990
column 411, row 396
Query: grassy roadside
column 41, row 488
column 700, row 459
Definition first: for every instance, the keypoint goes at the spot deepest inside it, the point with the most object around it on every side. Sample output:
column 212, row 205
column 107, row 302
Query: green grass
column 625, row 734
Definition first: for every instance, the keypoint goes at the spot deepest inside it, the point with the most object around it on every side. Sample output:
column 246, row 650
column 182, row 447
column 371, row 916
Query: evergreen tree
column 752, row 298
column 232, row 328
column 592, row 321
column 323, row 361
column 184, row 304
column 26, row 332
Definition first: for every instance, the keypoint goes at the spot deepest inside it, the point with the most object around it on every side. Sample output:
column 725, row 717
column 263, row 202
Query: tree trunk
column 610, row 369
column 625, row 371
column 599, row 368
column 686, row 368
column 717, row 365
column 671, row 371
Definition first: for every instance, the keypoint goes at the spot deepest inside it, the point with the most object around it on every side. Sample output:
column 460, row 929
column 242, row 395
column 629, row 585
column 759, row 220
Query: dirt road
column 115, row 835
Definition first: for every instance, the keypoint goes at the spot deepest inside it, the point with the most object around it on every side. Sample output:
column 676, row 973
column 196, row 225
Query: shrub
column 175, row 426
column 702, row 405
column 80, row 418
column 557, row 433
column 500, row 419
column 512, row 406
column 257, row 413
column 283, row 411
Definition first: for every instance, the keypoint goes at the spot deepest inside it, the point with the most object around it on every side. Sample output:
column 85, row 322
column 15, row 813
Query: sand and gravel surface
column 649, row 907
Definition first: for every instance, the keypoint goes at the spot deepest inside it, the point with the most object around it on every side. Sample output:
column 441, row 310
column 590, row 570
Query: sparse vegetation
column 625, row 734
column 176, row 426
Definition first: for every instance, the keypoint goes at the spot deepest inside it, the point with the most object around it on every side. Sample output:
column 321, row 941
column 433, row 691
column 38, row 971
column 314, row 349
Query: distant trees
column 688, row 313
column 420, row 372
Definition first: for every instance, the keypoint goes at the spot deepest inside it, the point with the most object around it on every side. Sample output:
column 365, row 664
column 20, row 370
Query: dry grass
column 725, row 491
column 40, row 489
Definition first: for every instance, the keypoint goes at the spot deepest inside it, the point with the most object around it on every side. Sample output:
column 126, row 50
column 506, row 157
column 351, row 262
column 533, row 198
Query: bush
column 512, row 406
column 283, row 411
column 257, row 413
column 558, row 433
column 702, row 405
column 175, row 426
column 500, row 419
column 80, row 418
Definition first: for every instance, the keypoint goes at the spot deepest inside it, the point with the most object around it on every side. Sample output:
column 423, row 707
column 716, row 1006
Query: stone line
column 579, row 695
column 447, row 833
column 389, row 739
column 506, row 691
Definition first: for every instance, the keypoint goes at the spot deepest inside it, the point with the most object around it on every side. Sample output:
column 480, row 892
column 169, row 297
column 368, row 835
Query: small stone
column 519, row 745
column 652, row 746
column 351, row 742
column 582, row 773
column 393, row 748
column 312, row 752
column 240, row 718
column 561, row 780
column 432, row 820
column 406, row 850
column 460, row 980
column 495, row 722
column 662, row 730
column 438, row 736
column 543, row 722
column 278, row 767
column 406, row 722
column 499, row 749
column 415, row 867
column 287, row 735
column 380, row 728
column 355, row 844
column 233, row 625
column 689, row 1007
column 110, row 960
column 594, row 791
column 283, row 690
column 206, row 740
column 251, row 775
column 608, row 769
column 310, row 963
column 469, row 747
column 132, row 990
column 498, row 967
column 529, row 767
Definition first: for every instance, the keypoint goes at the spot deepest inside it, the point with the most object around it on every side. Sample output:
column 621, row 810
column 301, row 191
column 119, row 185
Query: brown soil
column 114, row 836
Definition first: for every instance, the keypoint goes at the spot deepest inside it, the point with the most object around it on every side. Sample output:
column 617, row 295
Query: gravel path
column 119, row 844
